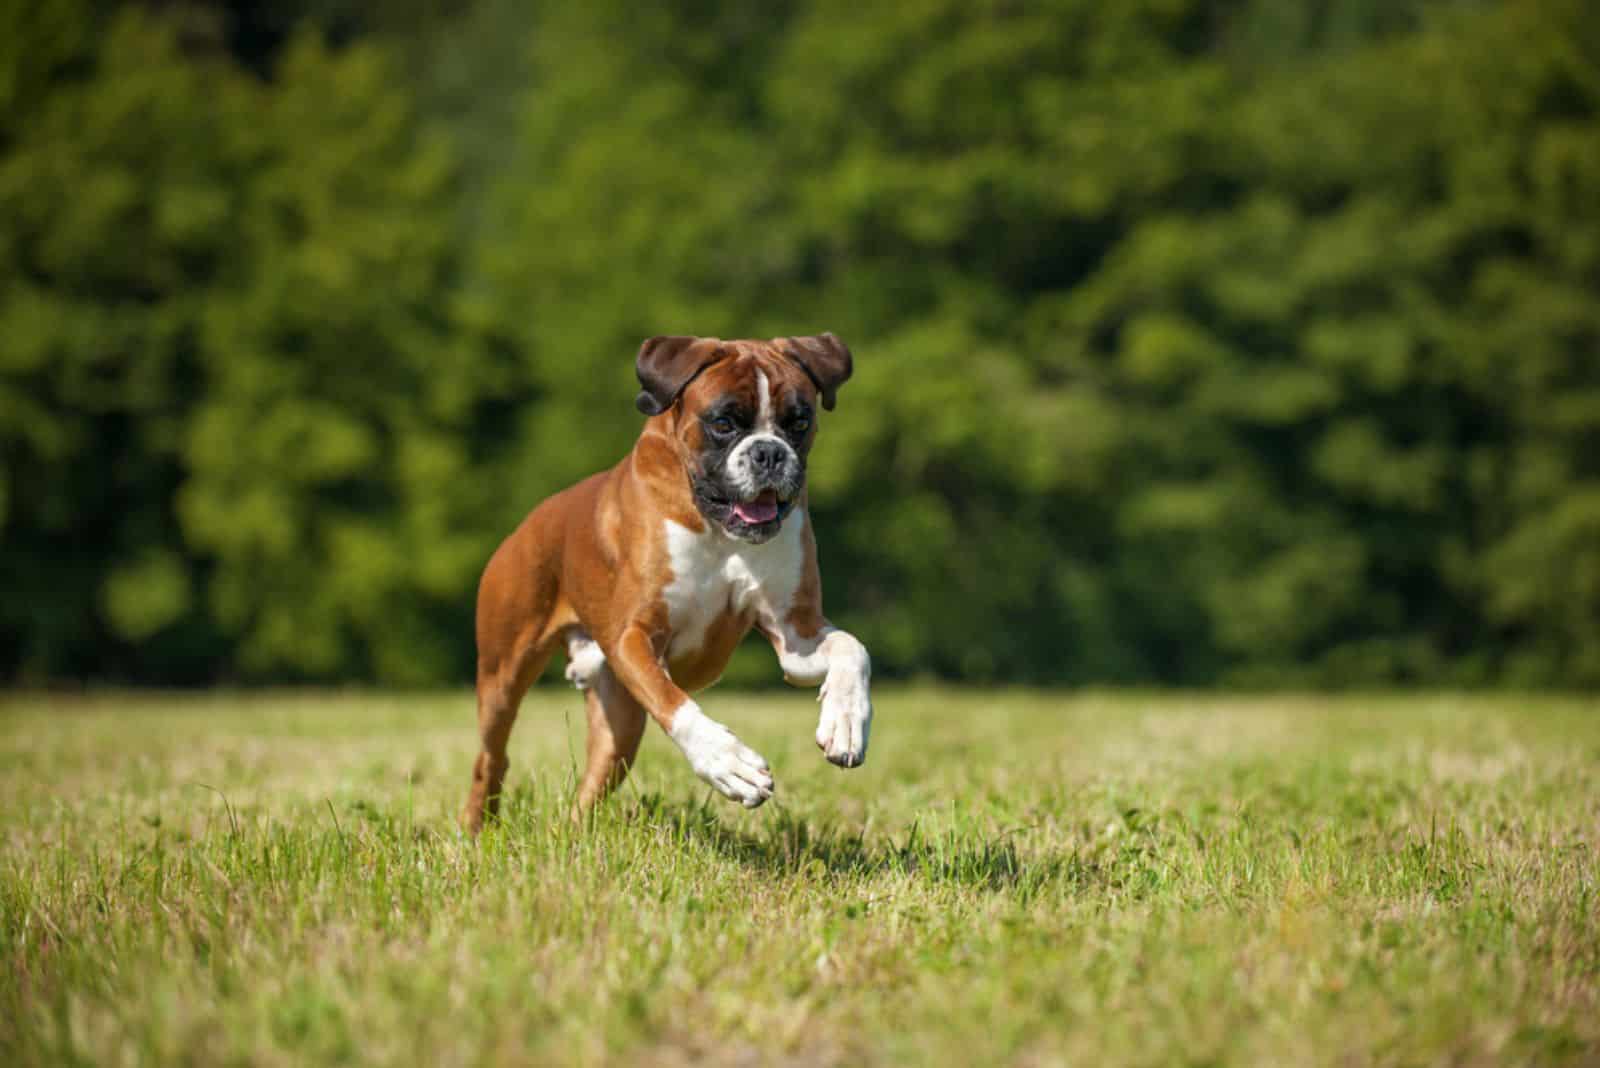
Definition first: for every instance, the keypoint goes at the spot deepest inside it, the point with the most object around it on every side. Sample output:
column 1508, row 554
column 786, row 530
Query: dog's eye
column 799, row 425
column 722, row 424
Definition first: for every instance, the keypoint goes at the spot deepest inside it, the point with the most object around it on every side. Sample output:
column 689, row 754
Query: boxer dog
column 649, row 574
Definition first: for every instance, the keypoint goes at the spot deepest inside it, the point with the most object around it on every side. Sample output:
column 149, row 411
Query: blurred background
column 1198, row 342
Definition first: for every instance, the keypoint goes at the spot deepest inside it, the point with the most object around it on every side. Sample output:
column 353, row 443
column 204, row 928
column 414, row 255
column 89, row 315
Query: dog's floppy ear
column 824, row 358
column 665, row 365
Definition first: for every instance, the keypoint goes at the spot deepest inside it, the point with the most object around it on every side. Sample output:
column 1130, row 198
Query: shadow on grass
column 789, row 846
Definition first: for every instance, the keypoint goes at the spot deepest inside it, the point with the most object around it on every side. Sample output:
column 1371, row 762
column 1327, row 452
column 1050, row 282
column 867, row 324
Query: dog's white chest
column 714, row 576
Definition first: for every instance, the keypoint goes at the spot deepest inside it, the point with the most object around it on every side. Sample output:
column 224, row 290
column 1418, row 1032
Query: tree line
column 1198, row 342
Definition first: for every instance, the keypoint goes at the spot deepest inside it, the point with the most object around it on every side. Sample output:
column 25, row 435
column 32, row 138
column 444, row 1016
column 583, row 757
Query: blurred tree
column 106, row 216
column 231, row 410
column 1198, row 341
column 1328, row 358
column 1165, row 340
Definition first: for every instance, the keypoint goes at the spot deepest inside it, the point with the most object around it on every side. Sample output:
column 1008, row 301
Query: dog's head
column 743, row 415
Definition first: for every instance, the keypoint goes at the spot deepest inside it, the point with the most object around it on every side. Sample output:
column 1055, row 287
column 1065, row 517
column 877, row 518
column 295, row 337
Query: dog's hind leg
column 500, row 691
column 518, row 626
column 616, row 725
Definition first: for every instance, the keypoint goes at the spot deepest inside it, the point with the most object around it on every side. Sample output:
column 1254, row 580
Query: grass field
column 1017, row 878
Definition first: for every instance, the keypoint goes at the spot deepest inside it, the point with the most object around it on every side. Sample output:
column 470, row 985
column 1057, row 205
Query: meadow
column 1015, row 877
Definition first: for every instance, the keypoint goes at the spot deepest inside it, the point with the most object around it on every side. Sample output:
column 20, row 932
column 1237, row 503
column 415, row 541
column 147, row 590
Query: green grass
column 1020, row 878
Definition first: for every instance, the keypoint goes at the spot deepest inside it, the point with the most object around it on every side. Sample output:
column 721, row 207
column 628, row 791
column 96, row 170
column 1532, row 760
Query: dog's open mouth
column 763, row 509
column 756, row 519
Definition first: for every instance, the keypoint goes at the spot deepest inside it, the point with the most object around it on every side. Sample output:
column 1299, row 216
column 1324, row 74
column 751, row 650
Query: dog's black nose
column 766, row 457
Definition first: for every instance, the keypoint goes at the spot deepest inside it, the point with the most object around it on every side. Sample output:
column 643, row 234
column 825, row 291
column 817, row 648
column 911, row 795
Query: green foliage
column 232, row 408
column 1178, row 363
column 1198, row 341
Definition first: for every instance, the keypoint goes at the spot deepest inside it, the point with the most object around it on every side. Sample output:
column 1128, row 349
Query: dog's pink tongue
column 764, row 509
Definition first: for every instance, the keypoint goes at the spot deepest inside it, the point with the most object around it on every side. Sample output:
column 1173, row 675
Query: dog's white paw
column 585, row 661
column 735, row 770
column 846, row 720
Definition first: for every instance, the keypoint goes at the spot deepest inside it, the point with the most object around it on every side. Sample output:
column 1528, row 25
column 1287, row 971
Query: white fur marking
column 764, row 395
column 734, row 769
column 714, row 575
column 585, row 661
column 841, row 664
column 739, row 473
column 845, row 723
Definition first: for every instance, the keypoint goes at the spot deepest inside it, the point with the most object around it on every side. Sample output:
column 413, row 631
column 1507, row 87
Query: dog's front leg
column 836, row 660
column 714, row 752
